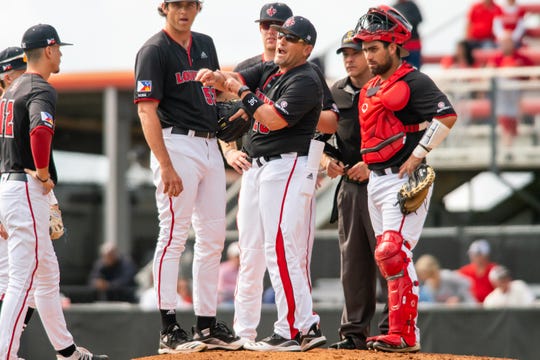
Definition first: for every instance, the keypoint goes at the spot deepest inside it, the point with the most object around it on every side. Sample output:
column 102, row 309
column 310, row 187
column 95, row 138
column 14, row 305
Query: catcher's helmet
column 383, row 23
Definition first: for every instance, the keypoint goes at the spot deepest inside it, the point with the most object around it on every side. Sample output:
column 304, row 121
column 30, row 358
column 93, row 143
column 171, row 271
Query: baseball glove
column 56, row 225
column 230, row 130
column 412, row 193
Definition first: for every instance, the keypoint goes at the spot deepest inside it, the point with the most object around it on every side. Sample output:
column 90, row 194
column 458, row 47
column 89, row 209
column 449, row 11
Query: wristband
column 420, row 151
column 242, row 89
column 251, row 103
column 40, row 179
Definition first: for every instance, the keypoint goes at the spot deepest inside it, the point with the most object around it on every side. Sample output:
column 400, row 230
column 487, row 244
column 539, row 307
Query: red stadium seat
column 530, row 106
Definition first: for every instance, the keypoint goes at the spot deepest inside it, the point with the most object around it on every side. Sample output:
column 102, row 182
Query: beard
column 382, row 68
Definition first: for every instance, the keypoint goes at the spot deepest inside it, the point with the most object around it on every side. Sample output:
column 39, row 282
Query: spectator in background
column 462, row 58
column 507, row 292
column 414, row 45
column 510, row 21
column 228, row 273
column 478, row 269
column 480, row 24
column 184, row 299
column 507, row 97
column 113, row 275
column 441, row 285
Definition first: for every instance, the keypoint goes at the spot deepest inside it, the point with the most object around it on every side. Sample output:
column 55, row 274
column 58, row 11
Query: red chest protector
column 383, row 134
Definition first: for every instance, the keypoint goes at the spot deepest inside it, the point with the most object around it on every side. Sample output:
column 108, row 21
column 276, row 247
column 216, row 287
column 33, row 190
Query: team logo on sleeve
column 47, row 119
column 441, row 106
column 144, row 86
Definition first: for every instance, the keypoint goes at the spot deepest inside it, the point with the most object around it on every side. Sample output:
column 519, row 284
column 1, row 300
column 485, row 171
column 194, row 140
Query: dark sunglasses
column 266, row 25
column 290, row 38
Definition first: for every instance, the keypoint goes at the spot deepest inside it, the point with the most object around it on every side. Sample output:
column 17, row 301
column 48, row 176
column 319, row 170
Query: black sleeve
column 252, row 75
column 149, row 80
column 41, row 109
column 428, row 100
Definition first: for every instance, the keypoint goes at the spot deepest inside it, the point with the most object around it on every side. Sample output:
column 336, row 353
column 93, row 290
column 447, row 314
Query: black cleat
column 174, row 340
column 218, row 336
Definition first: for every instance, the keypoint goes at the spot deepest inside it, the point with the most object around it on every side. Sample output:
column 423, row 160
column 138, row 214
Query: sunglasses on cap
column 266, row 25
column 290, row 38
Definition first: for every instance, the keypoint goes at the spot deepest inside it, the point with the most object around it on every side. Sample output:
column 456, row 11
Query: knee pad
column 391, row 260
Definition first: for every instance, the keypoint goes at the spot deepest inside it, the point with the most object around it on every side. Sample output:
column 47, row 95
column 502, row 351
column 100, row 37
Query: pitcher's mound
column 316, row 354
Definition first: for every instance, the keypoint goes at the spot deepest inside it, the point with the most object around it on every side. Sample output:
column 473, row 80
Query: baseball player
column 403, row 116
column 27, row 176
column 272, row 209
column 248, row 297
column 13, row 65
column 179, row 121
column 356, row 238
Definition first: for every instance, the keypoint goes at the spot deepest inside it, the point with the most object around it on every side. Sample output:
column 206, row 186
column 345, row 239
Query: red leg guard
column 402, row 302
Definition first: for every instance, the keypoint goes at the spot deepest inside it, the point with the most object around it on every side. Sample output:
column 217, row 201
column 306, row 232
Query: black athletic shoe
column 273, row 343
column 348, row 343
column 174, row 340
column 219, row 336
column 314, row 338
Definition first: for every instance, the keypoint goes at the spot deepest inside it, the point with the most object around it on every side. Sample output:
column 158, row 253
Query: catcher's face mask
column 383, row 23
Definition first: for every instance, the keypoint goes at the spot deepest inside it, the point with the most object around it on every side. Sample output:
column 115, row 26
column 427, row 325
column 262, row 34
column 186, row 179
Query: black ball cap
column 12, row 58
column 276, row 12
column 347, row 41
column 298, row 26
column 39, row 36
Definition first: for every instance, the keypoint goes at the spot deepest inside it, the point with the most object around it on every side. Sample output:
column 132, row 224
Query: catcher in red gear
column 403, row 116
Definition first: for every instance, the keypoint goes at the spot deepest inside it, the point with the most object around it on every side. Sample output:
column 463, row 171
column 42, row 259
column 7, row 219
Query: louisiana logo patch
column 47, row 119
column 144, row 86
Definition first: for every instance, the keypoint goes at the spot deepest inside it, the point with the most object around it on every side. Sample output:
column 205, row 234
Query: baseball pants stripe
column 163, row 255
column 282, row 264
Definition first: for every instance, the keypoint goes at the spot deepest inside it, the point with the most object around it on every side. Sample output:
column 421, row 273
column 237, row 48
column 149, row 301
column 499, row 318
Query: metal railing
column 476, row 139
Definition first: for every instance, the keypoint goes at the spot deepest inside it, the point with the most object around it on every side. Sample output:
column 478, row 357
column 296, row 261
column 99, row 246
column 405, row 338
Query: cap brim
column 280, row 28
column 356, row 47
column 64, row 44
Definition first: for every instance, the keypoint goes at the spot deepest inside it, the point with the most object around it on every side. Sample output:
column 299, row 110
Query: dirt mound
column 317, row 354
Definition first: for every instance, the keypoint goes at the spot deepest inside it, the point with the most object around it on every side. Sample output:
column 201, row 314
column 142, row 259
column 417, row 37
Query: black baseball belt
column 13, row 176
column 196, row 133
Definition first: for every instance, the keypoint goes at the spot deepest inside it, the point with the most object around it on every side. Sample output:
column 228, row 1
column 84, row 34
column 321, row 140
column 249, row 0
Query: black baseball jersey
column 165, row 72
column 348, row 132
column 426, row 102
column 28, row 103
column 296, row 96
column 327, row 100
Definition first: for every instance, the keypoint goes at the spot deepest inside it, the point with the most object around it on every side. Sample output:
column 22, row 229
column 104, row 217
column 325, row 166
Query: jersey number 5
column 6, row 118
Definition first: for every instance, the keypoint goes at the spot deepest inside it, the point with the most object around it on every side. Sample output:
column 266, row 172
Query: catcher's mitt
column 412, row 193
column 230, row 130
column 56, row 225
